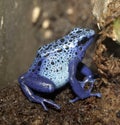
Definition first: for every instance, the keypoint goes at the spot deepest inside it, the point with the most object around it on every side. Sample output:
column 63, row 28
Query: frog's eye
column 83, row 41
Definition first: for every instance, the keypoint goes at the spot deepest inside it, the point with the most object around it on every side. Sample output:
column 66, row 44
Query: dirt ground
column 15, row 109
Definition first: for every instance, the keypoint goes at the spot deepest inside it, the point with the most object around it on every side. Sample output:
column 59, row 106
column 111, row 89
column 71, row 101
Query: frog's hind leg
column 29, row 83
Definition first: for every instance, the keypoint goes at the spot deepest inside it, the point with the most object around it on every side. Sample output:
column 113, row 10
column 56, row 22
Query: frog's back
column 64, row 43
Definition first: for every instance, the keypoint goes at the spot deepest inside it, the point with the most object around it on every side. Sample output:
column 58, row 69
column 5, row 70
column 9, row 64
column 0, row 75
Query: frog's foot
column 39, row 84
column 88, row 79
column 83, row 93
column 42, row 101
column 89, row 76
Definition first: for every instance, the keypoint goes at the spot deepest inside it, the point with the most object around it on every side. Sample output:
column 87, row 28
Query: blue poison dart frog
column 56, row 64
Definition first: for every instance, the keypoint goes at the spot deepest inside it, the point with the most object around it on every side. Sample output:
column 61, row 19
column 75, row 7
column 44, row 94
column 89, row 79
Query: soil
column 15, row 109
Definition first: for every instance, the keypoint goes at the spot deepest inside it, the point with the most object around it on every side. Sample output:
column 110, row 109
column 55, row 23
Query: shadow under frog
column 55, row 65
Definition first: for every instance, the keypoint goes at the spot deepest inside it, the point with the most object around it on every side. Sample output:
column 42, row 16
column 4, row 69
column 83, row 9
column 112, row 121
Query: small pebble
column 46, row 24
column 70, row 11
column 36, row 14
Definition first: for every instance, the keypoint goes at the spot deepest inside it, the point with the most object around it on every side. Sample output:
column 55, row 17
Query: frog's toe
column 74, row 100
column 96, row 94
column 44, row 106
column 88, row 79
column 51, row 103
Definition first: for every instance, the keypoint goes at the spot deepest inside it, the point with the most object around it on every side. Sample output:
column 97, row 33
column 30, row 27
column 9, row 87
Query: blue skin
column 56, row 65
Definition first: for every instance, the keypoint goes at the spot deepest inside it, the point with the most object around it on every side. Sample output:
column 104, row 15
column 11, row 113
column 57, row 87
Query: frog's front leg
column 78, row 86
column 40, row 84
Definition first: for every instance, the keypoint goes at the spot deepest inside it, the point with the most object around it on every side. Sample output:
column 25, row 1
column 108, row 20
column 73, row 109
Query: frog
column 56, row 65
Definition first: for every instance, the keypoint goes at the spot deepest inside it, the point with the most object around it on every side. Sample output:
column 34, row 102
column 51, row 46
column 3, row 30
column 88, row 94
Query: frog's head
column 82, row 38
